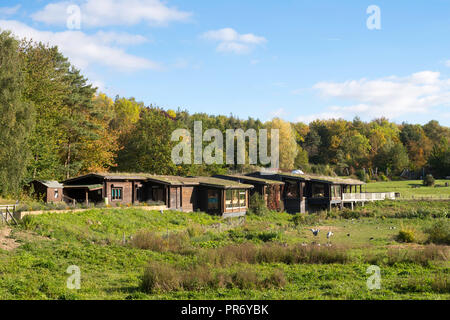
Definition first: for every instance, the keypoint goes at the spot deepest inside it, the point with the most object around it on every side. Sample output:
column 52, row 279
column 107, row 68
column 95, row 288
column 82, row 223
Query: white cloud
column 231, row 41
column 101, row 13
column 9, row 11
column 120, row 38
column 82, row 49
column 391, row 97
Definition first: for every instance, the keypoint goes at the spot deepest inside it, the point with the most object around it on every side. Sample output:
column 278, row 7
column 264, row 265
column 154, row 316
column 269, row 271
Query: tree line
column 55, row 125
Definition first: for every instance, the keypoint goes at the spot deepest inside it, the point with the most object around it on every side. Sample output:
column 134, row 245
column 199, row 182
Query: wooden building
column 271, row 190
column 212, row 195
column 176, row 193
column 223, row 197
column 112, row 188
column 306, row 192
column 49, row 191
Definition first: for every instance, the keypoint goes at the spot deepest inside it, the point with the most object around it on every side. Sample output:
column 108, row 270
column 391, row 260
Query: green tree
column 76, row 122
column 149, row 148
column 16, row 117
column 45, row 86
column 439, row 160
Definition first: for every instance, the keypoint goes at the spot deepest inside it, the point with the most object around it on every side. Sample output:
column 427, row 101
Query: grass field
column 411, row 188
column 198, row 256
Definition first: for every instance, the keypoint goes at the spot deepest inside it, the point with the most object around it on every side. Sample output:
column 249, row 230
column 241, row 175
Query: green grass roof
column 326, row 179
column 221, row 183
column 252, row 179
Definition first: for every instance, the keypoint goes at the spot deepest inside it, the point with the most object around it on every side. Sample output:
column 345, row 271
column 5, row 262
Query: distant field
column 411, row 188
column 45, row 246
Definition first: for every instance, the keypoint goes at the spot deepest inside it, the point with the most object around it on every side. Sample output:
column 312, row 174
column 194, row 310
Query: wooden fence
column 7, row 214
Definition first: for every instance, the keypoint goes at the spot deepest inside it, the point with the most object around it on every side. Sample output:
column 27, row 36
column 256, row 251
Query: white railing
column 368, row 196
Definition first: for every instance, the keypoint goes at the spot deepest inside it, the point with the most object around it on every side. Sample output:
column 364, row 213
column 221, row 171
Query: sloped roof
column 51, row 184
column 112, row 176
column 221, row 183
column 84, row 186
column 250, row 179
column 326, row 179
column 173, row 180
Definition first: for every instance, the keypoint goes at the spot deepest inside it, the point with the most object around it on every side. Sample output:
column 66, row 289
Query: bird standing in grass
column 329, row 235
column 315, row 232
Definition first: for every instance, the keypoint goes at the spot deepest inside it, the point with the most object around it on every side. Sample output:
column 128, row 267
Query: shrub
column 439, row 232
column 173, row 242
column 163, row 277
column 257, row 205
column 305, row 219
column 406, row 234
column 429, row 180
column 419, row 256
column 28, row 223
column 441, row 284
column 160, row 277
column 276, row 280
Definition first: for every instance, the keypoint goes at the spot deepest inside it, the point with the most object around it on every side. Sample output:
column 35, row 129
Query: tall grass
column 164, row 277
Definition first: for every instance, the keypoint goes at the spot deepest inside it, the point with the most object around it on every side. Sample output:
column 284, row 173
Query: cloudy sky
column 298, row 60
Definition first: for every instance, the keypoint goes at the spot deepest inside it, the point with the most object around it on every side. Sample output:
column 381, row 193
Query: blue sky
column 299, row 60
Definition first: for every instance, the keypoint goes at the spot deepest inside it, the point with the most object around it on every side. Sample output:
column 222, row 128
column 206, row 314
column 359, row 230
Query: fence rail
column 7, row 214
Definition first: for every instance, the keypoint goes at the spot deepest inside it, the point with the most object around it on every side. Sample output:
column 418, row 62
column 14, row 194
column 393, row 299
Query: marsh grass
column 164, row 277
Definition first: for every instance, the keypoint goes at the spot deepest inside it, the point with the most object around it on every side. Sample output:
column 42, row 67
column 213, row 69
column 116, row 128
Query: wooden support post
column 87, row 197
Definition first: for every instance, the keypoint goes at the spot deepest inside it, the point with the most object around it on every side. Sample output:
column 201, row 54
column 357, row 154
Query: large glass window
column 229, row 199
column 242, row 199
column 336, row 191
column 235, row 199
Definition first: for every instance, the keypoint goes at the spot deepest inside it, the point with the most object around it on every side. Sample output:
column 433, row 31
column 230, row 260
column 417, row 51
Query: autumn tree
column 288, row 148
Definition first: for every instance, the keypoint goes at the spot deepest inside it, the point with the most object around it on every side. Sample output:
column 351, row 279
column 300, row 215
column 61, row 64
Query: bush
column 439, row 232
column 163, row 277
column 28, row 223
column 407, row 235
column 257, row 205
column 429, row 180
column 160, row 277
column 173, row 242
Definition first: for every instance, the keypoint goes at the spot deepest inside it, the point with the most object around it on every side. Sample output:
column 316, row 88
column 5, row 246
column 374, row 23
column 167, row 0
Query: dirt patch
column 327, row 228
column 7, row 243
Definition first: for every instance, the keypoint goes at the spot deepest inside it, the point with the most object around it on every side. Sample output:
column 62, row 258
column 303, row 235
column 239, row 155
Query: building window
column 56, row 194
column 213, row 200
column 336, row 191
column 116, row 193
column 236, row 199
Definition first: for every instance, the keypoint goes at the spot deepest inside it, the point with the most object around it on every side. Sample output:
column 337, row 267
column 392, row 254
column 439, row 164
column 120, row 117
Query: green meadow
column 409, row 189
column 135, row 254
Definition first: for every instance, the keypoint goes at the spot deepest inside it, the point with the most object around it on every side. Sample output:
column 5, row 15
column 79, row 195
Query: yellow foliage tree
column 287, row 142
